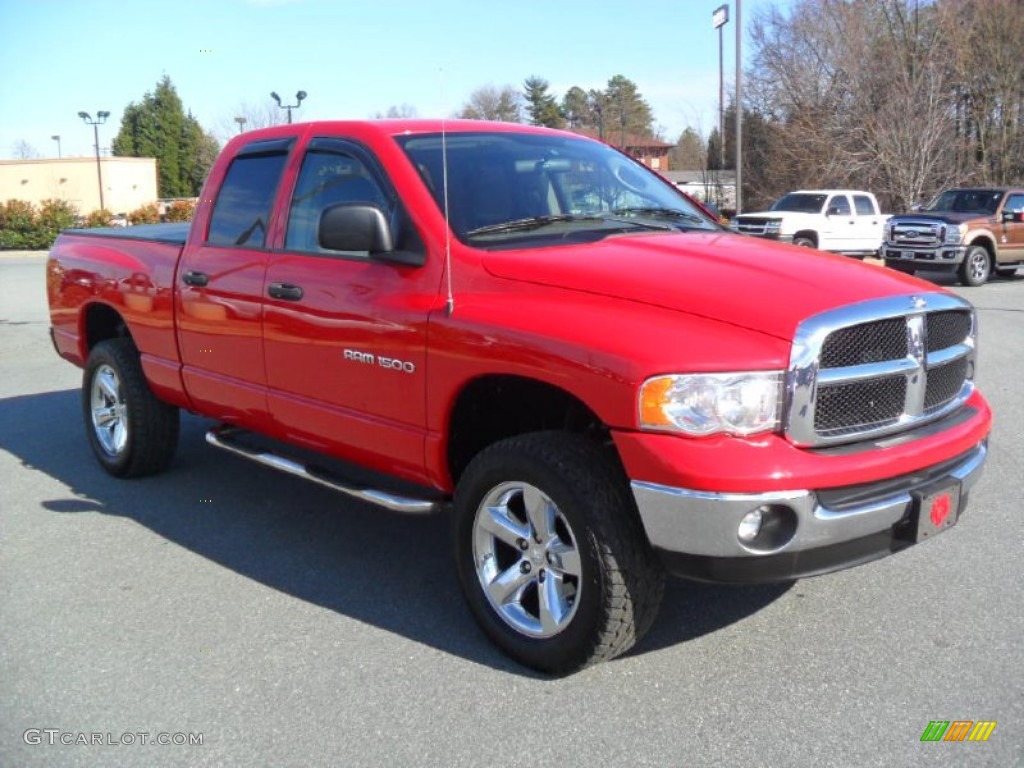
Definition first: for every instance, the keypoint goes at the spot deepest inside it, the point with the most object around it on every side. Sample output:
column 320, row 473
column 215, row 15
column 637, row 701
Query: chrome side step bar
column 222, row 437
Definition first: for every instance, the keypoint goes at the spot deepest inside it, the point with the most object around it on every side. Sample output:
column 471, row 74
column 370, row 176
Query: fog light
column 750, row 526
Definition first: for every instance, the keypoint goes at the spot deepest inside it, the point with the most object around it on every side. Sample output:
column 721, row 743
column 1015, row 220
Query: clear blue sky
column 353, row 57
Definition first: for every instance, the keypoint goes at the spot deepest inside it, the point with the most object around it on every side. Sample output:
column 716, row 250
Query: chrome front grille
column 879, row 367
column 751, row 225
column 926, row 233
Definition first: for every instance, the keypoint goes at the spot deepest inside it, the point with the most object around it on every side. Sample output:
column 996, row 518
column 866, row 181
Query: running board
column 222, row 437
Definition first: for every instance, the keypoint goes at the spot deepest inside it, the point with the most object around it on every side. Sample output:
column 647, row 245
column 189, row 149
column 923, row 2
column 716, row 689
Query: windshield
column 966, row 201
column 800, row 202
column 509, row 189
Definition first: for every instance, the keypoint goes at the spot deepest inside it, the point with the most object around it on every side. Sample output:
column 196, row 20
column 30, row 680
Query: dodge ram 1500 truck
column 837, row 220
column 968, row 232
column 537, row 334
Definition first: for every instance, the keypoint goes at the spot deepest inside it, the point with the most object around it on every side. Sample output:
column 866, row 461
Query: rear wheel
column 976, row 266
column 131, row 432
column 551, row 554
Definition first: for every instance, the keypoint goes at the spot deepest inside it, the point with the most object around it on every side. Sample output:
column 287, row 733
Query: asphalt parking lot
column 289, row 626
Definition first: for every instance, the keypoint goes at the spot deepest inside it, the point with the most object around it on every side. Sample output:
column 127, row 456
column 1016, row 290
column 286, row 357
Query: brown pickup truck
column 972, row 232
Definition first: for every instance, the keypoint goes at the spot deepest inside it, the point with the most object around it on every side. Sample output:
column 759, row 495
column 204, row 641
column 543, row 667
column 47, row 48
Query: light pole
column 739, row 107
column 241, row 124
column 298, row 96
column 719, row 18
column 57, row 139
column 101, row 117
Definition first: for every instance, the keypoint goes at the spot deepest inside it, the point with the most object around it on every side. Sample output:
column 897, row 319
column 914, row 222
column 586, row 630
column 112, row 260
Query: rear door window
column 242, row 211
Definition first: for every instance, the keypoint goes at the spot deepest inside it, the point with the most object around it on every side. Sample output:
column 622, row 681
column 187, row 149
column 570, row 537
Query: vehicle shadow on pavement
column 388, row 570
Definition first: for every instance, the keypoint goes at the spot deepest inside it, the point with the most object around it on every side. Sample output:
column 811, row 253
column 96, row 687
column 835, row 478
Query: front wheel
column 976, row 266
column 131, row 432
column 804, row 242
column 551, row 554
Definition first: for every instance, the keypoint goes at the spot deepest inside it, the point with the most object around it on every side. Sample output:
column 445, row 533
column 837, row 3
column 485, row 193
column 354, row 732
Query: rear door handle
column 191, row 277
column 285, row 291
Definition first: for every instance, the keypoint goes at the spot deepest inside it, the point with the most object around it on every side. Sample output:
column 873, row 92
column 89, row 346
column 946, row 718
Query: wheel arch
column 493, row 407
column 99, row 322
column 810, row 234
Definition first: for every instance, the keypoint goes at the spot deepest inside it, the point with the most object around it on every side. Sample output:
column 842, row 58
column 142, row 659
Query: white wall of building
column 128, row 182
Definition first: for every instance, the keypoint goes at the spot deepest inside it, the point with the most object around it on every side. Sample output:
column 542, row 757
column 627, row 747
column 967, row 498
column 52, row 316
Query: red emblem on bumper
column 940, row 509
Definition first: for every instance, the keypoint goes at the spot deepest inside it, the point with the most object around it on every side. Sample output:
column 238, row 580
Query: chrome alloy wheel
column 977, row 266
column 109, row 410
column 527, row 559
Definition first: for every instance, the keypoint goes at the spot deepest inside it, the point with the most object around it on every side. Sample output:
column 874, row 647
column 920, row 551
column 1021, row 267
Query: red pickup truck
column 536, row 333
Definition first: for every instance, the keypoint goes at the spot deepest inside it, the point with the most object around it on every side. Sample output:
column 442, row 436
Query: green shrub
column 147, row 214
column 98, row 218
column 22, row 227
column 181, row 210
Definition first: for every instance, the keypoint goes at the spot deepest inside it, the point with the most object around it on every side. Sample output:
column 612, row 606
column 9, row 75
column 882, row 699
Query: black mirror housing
column 355, row 227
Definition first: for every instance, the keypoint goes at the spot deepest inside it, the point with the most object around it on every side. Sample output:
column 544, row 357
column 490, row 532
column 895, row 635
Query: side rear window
column 863, row 205
column 243, row 207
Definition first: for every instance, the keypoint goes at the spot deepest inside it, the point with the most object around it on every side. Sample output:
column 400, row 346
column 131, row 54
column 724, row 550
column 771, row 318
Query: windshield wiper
column 665, row 213
column 536, row 222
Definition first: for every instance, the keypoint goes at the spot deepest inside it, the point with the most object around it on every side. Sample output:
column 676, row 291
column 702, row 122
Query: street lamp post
column 101, row 117
column 56, row 138
column 241, row 124
column 719, row 18
column 298, row 96
column 739, row 107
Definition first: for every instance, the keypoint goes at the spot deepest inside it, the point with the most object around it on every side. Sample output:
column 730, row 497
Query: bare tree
column 249, row 117
column 22, row 150
column 491, row 103
column 397, row 111
column 899, row 96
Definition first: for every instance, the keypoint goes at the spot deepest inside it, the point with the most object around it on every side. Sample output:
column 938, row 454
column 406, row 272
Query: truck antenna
column 450, row 303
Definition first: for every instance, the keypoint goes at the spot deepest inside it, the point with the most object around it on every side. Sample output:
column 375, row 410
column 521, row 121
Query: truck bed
column 173, row 233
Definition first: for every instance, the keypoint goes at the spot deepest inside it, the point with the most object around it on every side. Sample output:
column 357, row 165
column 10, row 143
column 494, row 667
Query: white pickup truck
column 838, row 220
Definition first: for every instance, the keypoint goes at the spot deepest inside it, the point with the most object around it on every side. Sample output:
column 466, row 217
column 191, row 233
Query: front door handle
column 191, row 277
column 285, row 291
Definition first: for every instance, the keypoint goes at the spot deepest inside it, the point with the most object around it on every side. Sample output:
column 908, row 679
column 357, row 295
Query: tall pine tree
column 158, row 127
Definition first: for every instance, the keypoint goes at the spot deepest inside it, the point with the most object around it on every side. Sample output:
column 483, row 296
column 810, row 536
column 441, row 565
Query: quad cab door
column 1011, row 246
column 345, row 332
column 869, row 224
column 220, row 291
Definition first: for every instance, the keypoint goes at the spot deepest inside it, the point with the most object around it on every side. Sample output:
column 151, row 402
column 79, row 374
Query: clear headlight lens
column 954, row 234
column 773, row 225
column 709, row 403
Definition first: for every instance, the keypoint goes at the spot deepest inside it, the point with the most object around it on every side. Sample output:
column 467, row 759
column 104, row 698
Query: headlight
column 708, row 403
column 734, row 225
column 773, row 225
column 954, row 234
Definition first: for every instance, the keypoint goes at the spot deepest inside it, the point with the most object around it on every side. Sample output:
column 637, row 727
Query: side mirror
column 354, row 227
column 1013, row 217
column 916, row 207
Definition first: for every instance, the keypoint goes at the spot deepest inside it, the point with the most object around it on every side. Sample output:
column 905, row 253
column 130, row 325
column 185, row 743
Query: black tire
column 620, row 583
column 141, row 434
column 976, row 267
column 804, row 242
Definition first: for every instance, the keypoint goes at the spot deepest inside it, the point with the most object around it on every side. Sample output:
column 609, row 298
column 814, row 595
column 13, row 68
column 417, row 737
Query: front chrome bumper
column 692, row 529
column 935, row 256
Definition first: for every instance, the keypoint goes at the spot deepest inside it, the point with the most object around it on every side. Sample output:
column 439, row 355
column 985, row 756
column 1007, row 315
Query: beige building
column 128, row 182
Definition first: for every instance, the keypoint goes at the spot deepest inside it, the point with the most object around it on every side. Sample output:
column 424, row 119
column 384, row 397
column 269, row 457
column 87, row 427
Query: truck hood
column 747, row 282
column 946, row 217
